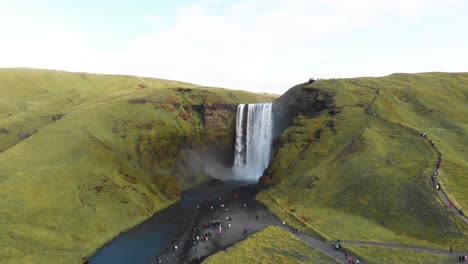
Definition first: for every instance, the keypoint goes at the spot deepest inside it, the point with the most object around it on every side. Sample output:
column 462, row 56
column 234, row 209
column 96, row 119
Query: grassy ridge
column 271, row 245
column 358, row 176
column 381, row 255
column 86, row 156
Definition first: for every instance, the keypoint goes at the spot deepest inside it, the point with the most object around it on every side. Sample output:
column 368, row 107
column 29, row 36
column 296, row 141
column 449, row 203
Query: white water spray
column 254, row 132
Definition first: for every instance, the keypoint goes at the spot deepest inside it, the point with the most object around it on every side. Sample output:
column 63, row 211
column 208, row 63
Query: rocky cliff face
column 199, row 145
column 298, row 103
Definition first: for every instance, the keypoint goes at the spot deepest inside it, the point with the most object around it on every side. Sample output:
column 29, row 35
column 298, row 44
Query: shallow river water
column 157, row 236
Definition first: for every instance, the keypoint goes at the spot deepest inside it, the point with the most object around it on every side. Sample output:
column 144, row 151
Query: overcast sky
column 256, row 45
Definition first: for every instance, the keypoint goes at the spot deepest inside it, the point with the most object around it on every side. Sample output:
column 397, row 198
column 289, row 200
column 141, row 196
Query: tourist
column 451, row 249
column 245, row 205
column 159, row 261
column 229, row 225
column 256, row 216
column 357, row 261
column 175, row 247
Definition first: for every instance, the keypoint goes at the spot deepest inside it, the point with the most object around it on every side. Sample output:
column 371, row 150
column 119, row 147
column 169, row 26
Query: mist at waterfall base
column 254, row 134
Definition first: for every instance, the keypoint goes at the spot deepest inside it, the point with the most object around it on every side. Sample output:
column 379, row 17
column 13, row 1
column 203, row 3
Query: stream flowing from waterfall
column 254, row 134
column 201, row 205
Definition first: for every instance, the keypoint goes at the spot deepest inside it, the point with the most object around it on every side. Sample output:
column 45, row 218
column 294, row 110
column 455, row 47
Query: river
column 175, row 225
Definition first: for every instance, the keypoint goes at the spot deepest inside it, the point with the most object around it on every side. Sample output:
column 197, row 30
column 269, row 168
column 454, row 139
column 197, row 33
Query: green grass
column 366, row 178
column 381, row 255
column 270, row 245
column 106, row 165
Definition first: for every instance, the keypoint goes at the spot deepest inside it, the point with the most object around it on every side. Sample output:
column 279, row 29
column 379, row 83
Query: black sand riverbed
column 181, row 223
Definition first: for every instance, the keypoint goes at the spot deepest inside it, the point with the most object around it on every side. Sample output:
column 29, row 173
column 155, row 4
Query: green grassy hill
column 85, row 156
column 353, row 170
column 381, row 255
column 271, row 245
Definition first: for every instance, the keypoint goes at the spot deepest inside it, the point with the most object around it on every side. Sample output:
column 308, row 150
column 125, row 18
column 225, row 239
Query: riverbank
column 156, row 236
column 217, row 223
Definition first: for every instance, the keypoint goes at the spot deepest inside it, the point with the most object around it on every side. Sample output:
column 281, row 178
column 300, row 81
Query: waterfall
column 254, row 128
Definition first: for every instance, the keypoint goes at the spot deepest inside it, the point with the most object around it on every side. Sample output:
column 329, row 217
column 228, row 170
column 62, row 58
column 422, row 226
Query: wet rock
column 216, row 182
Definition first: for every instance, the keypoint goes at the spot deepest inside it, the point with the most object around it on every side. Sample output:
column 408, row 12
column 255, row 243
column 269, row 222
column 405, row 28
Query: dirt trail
column 443, row 197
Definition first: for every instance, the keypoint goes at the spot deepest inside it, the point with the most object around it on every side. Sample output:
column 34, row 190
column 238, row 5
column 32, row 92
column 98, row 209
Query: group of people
column 439, row 161
column 350, row 259
column 462, row 258
column 436, row 171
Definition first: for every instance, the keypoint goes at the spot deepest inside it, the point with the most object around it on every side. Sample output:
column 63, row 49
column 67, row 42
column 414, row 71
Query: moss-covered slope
column 271, row 245
column 350, row 167
column 85, row 156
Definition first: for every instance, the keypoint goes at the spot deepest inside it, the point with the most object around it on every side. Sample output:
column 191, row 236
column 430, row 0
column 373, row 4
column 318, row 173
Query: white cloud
column 257, row 45
column 156, row 19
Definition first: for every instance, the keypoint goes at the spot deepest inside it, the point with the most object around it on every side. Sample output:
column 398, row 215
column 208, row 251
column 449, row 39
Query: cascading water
column 254, row 132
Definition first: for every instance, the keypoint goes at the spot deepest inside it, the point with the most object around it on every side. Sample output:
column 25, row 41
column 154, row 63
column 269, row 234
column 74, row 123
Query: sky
column 255, row 45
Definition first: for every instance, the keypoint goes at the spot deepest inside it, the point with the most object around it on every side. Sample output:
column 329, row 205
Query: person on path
column 345, row 255
column 357, row 261
column 451, row 249
column 175, row 247
column 229, row 225
column 256, row 216
column 159, row 261
column 450, row 204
